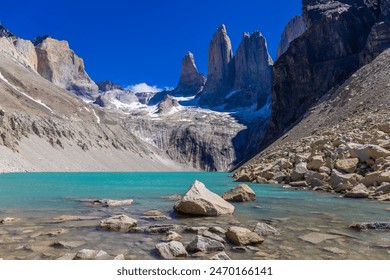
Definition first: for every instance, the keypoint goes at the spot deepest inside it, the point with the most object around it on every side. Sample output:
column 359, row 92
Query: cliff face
column 325, row 55
column 295, row 28
column 58, row 64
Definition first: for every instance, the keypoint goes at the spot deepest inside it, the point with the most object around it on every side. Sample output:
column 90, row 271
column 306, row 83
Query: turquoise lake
column 36, row 198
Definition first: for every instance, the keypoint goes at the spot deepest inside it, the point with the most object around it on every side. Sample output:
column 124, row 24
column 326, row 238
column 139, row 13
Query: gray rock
column 220, row 256
column 217, row 230
column 368, row 151
column 171, row 250
column 191, row 82
column 204, row 244
column 294, row 29
column 240, row 193
column 161, row 228
column 359, row 191
column 372, row 226
column 67, row 244
column 119, row 222
column 264, row 229
column 112, row 202
column 317, row 237
column 196, row 230
column 299, row 171
column 8, row 220
column 87, row 254
column 172, row 236
column 214, row 236
column 120, row 257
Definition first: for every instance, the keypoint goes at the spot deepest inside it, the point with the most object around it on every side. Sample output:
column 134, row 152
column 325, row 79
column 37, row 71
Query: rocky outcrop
column 107, row 86
column 60, row 65
column 220, row 57
column 240, row 193
column 320, row 59
column 295, row 28
column 198, row 200
column 21, row 51
column 191, row 81
column 168, row 105
column 4, row 32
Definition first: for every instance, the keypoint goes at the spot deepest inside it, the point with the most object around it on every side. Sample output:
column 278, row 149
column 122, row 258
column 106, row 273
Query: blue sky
column 131, row 42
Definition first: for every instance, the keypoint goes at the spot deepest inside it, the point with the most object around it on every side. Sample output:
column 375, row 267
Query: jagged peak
column 4, row 32
column 222, row 28
column 39, row 39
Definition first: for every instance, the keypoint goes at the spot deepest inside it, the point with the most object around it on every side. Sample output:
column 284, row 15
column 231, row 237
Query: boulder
column 243, row 236
column 67, row 244
column 347, row 165
column 264, row 229
column 383, row 189
column 171, row 250
column 368, row 151
column 371, row 179
column 204, row 244
column 120, row 257
column 217, row 230
column 198, row 200
column 317, row 237
column 221, row 256
column 360, row 191
column 7, row 220
column 213, row 236
column 385, row 127
column 112, row 202
column 315, row 163
column 119, row 222
column 315, row 179
column 196, row 230
column 338, row 178
column 87, row 254
column 158, row 229
column 299, row 171
column 373, row 226
column 240, row 193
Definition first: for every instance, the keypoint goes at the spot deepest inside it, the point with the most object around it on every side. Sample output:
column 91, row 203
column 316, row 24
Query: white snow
column 25, row 94
column 97, row 117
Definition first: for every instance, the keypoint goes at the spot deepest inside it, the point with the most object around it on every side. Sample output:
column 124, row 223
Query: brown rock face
column 191, row 82
column 295, row 28
column 60, row 65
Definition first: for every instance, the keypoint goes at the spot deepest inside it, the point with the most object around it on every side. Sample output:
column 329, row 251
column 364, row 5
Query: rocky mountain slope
column 45, row 128
column 341, row 145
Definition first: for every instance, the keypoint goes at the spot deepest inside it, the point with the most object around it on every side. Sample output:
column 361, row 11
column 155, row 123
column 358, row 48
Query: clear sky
column 131, row 42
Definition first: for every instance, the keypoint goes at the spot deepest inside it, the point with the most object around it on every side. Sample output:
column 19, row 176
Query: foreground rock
column 264, row 229
column 198, row 200
column 172, row 236
column 112, row 203
column 87, row 254
column 220, row 256
column 67, row 244
column 373, row 226
column 8, row 220
column 204, row 244
column 360, row 191
column 171, row 250
column 243, row 236
column 241, row 193
column 119, row 222
column 317, row 237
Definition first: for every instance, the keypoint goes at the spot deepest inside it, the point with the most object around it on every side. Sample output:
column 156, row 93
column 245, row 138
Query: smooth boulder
column 198, row 200
column 240, row 193
column 243, row 236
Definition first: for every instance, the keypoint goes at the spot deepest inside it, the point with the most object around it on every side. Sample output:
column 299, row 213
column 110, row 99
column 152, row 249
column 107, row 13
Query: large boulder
column 347, row 165
column 170, row 250
column 198, row 200
column 367, row 152
column 360, row 191
column 240, row 193
column 119, row 222
column 242, row 236
column 299, row 171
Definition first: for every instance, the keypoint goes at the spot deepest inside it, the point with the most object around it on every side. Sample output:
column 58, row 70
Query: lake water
column 36, row 198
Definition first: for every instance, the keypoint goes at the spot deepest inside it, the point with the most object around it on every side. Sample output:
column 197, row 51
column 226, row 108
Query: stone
column 68, row 218
column 67, row 257
column 315, row 163
column 221, row 256
column 204, row 244
column 197, row 230
column 240, row 193
column 368, row 151
column 359, row 191
column 191, row 82
column 347, row 165
column 118, row 223
column 198, row 200
column 217, row 230
column 264, row 229
column 120, row 257
column 334, row 250
column 314, row 179
column 161, row 228
column 385, row 127
column 299, row 171
column 112, row 203
column 294, row 29
column 153, row 213
column 317, row 237
column 338, row 178
column 279, row 177
column 298, row 184
column 87, row 254
column 67, row 244
column 8, row 220
column 213, row 236
column 383, row 189
column 51, row 233
column 172, row 236
column 243, row 236
column 61, row 66
column 171, row 250
column 371, row 179
column 372, row 226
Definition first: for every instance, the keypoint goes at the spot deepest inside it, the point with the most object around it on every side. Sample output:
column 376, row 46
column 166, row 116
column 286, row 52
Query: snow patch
column 25, row 94
column 97, row 117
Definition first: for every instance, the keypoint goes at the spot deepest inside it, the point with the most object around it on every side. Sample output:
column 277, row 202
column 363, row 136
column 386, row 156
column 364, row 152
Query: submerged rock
column 8, row 220
column 317, row 237
column 373, row 226
column 220, row 256
column 87, row 254
column 112, row 203
column 172, row 236
column 204, row 244
column 119, row 222
column 240, row 193
column 198, row 200
column 67, row 244
column 243, row 236
column 360, row 191
column 264, row 229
